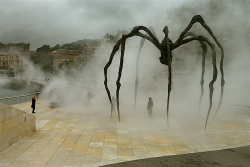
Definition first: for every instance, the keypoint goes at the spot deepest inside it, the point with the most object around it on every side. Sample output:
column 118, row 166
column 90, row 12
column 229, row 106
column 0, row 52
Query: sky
column 52, row 22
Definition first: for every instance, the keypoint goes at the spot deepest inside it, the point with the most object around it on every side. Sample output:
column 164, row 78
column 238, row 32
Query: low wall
column 14, row 125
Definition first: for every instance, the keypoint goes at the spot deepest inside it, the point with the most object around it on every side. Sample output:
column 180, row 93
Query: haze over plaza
column 63, row 45
column 64, row 21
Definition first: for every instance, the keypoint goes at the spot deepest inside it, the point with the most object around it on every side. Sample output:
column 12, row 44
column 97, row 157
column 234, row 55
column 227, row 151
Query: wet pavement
column 65, row 137
column 228, row 157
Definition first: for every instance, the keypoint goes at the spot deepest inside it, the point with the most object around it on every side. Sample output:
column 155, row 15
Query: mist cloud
column 52, row 22
column 57, row 22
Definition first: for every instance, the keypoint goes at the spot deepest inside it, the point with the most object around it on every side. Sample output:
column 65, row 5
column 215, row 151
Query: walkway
column 239, row 156
column 67, row 137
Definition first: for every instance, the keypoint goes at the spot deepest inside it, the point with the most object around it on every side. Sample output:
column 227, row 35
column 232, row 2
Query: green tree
column 56, row 47
column 108, row 37
column 44, row 48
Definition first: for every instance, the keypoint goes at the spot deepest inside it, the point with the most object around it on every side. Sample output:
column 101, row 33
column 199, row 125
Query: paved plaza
column 65, row 137
column 233, row 157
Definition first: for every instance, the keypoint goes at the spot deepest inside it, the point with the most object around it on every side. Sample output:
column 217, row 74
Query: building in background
column 62, row 55
column 59, row 59
column 3, row 60
column 64, row 52
column 22, row 47
column 11, row 57
column 11, row 63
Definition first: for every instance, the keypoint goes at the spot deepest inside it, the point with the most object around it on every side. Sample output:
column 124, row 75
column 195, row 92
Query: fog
column 64, row 21
column 225, row 18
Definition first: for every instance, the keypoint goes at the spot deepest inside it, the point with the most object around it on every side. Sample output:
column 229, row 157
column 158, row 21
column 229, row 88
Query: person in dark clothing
column 150, row 106
column 33, row 105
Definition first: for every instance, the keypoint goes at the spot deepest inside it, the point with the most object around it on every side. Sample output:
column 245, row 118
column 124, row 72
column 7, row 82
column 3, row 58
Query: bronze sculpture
column 166, row 48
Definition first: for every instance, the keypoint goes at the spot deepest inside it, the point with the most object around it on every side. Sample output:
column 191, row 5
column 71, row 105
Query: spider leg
column 115, row 49
column 221, row 64
column 137, row 62
column 211, row 84
column 221, row 96
column 204, row 51
column 135, row 32
column 153, row 31
column 137, row 66
column 118, row 84
column 198, row 18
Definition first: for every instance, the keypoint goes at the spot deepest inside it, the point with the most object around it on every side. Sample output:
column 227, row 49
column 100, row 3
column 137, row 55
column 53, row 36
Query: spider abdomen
column 164, row 52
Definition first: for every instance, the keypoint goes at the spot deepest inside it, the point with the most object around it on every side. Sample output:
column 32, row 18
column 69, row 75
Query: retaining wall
column 14, row 125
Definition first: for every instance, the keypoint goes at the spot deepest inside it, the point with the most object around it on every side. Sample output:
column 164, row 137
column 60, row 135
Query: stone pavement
column 66, row 137
column 237, row 157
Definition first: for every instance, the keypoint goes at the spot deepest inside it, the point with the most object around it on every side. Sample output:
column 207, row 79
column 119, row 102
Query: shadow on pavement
column 235, row 157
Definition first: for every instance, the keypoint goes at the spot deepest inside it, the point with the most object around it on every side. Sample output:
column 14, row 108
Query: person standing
column 33, row 105
column 150, row 106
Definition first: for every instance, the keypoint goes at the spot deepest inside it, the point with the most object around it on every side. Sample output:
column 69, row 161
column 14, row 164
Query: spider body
column 164, row 52
column 166, row 47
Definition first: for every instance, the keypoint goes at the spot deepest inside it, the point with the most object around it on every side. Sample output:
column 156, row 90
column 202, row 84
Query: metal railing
column 239, row 108
column 19, row 99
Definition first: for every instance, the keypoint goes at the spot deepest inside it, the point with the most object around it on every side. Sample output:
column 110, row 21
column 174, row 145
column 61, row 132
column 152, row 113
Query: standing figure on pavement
column 114, row 103
column 33, row 105
column 150, row 106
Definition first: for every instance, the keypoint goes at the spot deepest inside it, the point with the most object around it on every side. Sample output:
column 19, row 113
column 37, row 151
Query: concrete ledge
column 14, row 125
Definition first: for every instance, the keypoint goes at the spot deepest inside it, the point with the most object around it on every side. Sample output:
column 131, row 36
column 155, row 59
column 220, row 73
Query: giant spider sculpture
column 166, row 47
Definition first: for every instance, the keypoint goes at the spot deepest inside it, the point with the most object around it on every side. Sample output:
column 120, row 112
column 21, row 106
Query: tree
column 108, row 37
column 44, row 48
column 55, row 48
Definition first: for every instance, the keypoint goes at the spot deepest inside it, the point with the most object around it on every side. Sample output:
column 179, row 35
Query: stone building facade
column 62, row 55
column 14, row 47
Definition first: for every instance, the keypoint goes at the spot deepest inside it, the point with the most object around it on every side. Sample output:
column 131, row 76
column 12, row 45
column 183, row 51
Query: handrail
column 13, row 98
column 236, row 105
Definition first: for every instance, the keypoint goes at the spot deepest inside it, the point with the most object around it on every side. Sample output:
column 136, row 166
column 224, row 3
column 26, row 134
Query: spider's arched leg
column 221, row 96
column 211, row 84
column 204, row 52
column 137, row 61
column 137, row 66
column 153, row 31
column 199, row 19
column 135, row 32
column 115, row 49
column 123, row 41
column 118, row 84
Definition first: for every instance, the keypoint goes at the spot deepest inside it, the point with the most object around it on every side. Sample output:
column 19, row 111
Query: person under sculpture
column 166, row 47
column 150, row 106
column 33, row 105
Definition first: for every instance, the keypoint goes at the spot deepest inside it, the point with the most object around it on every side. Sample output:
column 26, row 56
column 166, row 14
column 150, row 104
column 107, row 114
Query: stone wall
column 14, row 125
